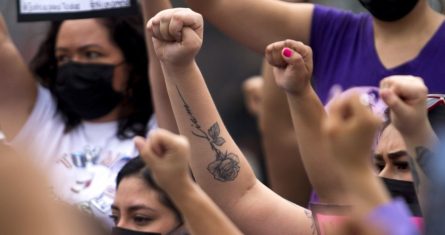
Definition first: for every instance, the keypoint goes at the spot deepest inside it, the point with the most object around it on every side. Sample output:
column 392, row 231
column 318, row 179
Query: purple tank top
column 345, row 55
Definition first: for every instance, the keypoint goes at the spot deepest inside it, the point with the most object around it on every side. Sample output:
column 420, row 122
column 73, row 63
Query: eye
column 379, row 166
column 62, row 59
column 91, row 55
column 142, row 220
column 403, row 166
column 115, row 219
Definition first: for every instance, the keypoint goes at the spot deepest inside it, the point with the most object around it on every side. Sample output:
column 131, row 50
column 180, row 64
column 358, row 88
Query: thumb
column 163, row 141
column 190, row 37
column 145, row 151
column 395, row 104
column 139, row 142
column 292, row 58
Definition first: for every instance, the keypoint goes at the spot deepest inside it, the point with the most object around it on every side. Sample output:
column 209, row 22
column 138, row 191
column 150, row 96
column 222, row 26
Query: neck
column 422, row 18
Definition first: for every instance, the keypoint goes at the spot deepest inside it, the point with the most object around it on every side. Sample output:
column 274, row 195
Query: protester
column 79, row 106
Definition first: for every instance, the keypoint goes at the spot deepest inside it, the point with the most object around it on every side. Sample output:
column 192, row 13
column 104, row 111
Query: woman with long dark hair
column 77, row 109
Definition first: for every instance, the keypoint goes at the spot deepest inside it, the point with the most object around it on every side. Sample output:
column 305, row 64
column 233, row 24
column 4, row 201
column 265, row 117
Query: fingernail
column 287, row 52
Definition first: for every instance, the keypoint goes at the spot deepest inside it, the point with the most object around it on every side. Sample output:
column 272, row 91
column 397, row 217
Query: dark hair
column 436, row 117
column 127, row 33
column 137, row 167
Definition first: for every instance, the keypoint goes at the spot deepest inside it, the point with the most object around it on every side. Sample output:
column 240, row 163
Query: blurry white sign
column 36, row 10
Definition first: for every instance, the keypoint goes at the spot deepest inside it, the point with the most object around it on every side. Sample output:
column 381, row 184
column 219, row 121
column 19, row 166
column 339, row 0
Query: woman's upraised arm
column 218, row 165
column 285, row 169
column 257, row 23
column 18, row 89
column 406, row 98
column 161, row 103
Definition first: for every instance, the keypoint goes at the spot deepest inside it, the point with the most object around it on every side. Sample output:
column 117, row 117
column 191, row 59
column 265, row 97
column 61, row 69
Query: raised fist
column 177, row 35
column 293, row 65
column 350, row 130
column 406, row 98
column 168, row 156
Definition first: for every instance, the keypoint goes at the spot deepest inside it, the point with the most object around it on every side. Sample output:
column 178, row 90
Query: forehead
column 133, row 190
column 76, row 33
column 390, row 140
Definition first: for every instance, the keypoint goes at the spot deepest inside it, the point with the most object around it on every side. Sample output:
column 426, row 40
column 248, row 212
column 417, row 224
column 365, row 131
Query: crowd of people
column 111, row 128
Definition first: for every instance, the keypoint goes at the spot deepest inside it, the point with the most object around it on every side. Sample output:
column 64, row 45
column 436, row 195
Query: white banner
column 37, row 10
column 65, row 6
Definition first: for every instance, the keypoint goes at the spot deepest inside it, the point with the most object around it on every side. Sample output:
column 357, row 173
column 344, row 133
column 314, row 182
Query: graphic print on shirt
column 90, row 181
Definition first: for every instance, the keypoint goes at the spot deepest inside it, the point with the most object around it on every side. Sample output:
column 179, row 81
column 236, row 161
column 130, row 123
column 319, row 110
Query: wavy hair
column 127, row 33
column 137, row 167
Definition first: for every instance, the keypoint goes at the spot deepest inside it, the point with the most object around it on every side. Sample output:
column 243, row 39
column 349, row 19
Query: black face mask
column 87, row 89
column 403, row 189
column 389, row 10
column 123, row 231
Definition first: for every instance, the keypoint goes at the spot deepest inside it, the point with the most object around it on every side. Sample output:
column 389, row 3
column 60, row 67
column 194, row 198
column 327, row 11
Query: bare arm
column 201, row 214
column 285, row 169
column 217, row 163
column 406, row 98
column 161, row 102
column 171, row 171
column 18, row 89
column 349, row 132
column 257, row 23
column 293, row 70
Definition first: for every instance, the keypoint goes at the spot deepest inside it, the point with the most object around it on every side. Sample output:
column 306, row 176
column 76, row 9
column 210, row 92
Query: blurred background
column 224, row 63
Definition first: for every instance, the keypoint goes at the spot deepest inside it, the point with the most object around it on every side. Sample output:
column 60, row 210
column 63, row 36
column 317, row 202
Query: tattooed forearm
column 309, row 216
column 226, row 165
column 416, row 178
column 424, row 158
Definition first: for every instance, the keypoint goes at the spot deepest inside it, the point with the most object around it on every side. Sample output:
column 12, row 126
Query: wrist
column 368, row 192
column 304, row 94
column 423, row 136
column 178, row 69
column 180, row 188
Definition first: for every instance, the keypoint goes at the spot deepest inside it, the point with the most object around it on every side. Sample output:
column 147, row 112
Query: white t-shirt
column 83, row 163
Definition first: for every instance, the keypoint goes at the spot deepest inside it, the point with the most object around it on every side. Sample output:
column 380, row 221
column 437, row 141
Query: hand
column 168, row 156
column 350, row 130
column 253, row 91
column 406, row 98
column 293, row 65
column 177, row 35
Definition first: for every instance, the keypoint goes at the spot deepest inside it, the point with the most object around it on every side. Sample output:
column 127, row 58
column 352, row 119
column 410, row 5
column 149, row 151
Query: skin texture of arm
column 349, row 132
column 217, row 163
column 18, row 89
column 285, row 170
column 201, row 214
column 293, row 70
column 168, row 156
column 161, row 102
column 406, row 98
column 257, row 23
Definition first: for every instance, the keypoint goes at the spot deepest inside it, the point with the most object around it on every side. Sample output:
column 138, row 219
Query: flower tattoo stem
column 225, row 167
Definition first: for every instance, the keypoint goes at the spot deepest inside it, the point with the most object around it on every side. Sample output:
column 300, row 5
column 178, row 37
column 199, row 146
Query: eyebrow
column 134, row 208
column 397, row 155
column 379, row 157
column 82, row 48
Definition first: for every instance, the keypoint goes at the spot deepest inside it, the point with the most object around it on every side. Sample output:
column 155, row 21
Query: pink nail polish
column 287, row 52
